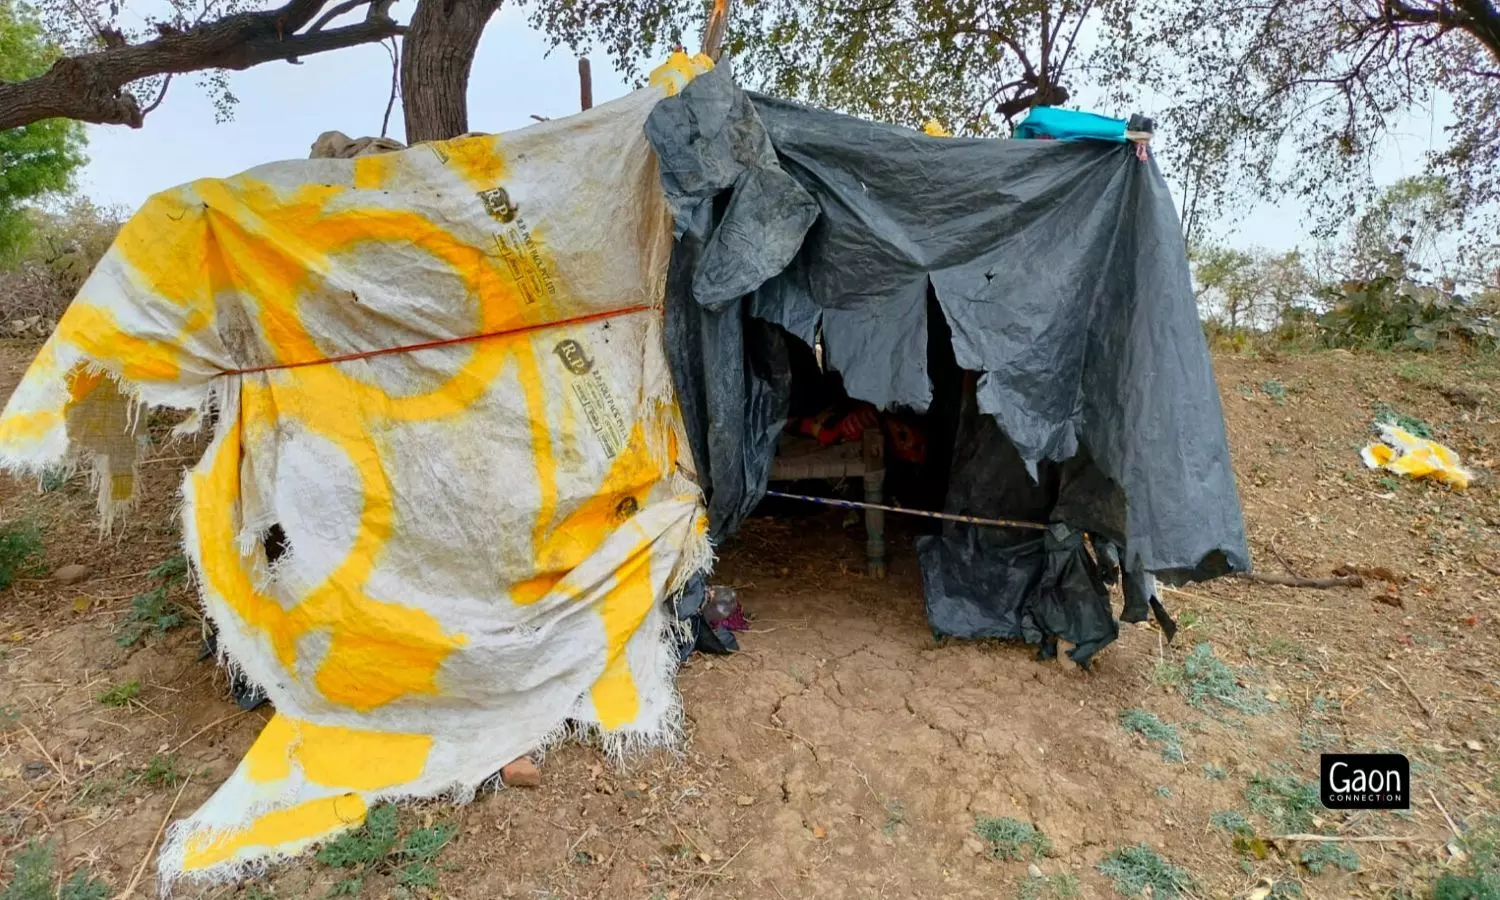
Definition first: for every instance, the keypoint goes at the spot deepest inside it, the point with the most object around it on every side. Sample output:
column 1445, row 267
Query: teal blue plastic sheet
column 1051, row 123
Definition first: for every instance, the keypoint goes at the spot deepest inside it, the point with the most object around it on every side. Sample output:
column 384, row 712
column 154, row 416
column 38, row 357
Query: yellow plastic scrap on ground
column 1416, row 457
column 935, row 129
column 440, row 374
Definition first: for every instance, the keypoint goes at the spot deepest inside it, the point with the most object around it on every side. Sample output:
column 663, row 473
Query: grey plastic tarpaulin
column 1061, row 277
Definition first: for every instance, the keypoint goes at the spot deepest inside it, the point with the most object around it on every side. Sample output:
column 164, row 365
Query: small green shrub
column 33, row 879
column 1466, row 887
column 121, row 694
column 1286, row 801
column 1153, row 729
column 1418, row 373
column 419, row 852
column 1167, row 673
column 376, row 848
column 895, row 816
column 161, row 771
column 1206, row 677
column 82, row 887
column 367, row 844
column 1281, row 648
column 20, row 552
column 150, row 613
column 1049, row 887
column 171, row 570
column 1011, row 839
column 1318, row 857
column 1390, row 416
column 1314, row 737
column 1231, row 820
column 1133, row 869
column 1478, row 876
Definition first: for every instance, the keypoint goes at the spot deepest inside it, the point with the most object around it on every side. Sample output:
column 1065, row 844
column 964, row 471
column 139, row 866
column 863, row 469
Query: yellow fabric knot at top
column 679, row 69
column 1406, row 454
column 934, row 129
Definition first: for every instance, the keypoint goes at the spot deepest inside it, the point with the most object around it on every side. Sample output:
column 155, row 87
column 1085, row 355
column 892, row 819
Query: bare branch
column 90, row 87
column 1083, row 15
column 88, row 20
column 393, row 49
column 334, row 13
column 160, row 96
column 294, row 15
column 1046, row 59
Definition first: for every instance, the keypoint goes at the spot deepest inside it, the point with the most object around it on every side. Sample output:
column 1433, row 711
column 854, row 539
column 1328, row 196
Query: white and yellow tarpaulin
column 1405, row 453
column 440, row 374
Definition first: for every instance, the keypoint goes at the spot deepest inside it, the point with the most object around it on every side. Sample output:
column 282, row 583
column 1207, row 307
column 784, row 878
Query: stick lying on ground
column 1297, row 582
column 1353, row 839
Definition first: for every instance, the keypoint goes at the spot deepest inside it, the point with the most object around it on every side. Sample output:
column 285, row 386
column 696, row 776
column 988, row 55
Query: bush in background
column 61, row 251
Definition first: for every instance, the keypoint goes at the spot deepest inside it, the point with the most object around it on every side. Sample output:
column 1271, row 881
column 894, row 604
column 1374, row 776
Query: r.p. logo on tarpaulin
column 573, row 356
column 497, row 203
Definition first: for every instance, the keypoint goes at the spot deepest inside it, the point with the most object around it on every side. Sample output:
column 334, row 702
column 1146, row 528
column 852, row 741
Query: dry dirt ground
column 844, row 752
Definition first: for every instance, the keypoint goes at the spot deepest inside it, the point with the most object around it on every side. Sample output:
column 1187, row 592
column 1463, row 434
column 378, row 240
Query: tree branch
column 1478, row 18
column 1049, row 95
column 90, row 87
column 1083, row 15
column 334, row 13
column 160, row 96
column 1484, row 21
column 385, row 123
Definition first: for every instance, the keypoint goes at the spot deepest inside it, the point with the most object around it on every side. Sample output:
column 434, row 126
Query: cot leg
column 873, row 452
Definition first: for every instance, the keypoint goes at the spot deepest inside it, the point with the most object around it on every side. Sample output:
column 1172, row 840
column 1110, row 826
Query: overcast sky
column 283, row 108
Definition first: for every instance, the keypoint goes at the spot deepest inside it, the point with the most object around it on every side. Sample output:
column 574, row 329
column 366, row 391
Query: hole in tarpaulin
column 275, row 543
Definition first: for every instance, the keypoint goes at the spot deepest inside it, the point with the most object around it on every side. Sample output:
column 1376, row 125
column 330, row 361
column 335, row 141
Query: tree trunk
column 435, row 62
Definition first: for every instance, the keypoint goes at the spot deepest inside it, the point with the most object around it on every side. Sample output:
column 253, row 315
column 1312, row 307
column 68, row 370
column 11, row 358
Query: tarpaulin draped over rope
column 481, row 526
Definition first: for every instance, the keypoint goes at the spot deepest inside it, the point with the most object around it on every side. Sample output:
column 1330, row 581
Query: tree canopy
column 1390, row 279
column 39, row 158
column 1255, row 98
column 1302, row 96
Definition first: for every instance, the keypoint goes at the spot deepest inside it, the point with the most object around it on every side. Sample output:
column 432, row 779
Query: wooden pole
column 713, row 35
column 585, row 84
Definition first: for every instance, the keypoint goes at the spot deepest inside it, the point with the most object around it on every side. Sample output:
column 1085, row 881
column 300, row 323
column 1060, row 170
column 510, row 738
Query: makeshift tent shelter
column 482, row 395
column 1053, row 271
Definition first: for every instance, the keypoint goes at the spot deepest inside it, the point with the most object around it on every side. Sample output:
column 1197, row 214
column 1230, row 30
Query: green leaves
column 365, row 845
column 973, row 66
column 39, row 158
column 372, row 848
column 20, row 551
column 1134, row 869
column 1011, row 839
column 150, row 613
